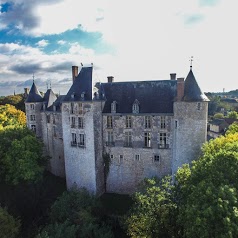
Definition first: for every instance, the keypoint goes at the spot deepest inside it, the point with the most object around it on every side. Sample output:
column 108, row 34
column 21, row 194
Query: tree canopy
column 11, row 117
column 201, row 203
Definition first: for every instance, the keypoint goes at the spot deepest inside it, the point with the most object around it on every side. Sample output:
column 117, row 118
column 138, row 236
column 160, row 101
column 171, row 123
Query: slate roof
column 49, row 98
column 57, row 103
column 192, row 92
column 34, row 94
column 153, row 96
column 81, row 84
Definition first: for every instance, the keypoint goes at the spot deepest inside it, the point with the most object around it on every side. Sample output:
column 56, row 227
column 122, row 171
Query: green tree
column 233, row 114
column 81, row 212
column 155, row 210
column 21, row 156
column 9, row 226
column 208, row 205
column 15, row 100
column 10, row 116
column 233, row 128
column 218, row 115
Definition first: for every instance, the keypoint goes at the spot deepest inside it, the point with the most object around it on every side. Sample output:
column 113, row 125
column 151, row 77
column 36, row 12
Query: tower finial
column 33, row 76
column 191, row 62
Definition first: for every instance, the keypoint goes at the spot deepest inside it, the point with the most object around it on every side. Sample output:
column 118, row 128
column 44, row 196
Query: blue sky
column 131, row 40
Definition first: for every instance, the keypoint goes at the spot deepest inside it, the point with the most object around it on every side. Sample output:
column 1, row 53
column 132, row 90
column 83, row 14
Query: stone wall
column 53, row 141
column 126, row 171
column 190, row 131
column 79, row 161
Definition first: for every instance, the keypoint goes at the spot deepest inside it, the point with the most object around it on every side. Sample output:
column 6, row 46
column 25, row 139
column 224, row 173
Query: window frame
column 147, row 139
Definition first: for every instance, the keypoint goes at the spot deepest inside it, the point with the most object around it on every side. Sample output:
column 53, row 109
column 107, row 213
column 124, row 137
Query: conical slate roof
column 34, row 94
column 192, row 92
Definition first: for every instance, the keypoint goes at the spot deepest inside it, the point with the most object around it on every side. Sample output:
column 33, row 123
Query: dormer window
column 82, row 95
column 114, row 107
column 135, row 107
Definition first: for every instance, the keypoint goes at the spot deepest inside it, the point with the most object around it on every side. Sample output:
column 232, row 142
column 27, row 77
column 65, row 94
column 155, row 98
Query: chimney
column 173, row 76
column 26, row 91
column 180, row 89
column 74, row 72
column 110, row 79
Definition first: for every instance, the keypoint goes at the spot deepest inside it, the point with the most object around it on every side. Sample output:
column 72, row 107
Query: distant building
column 148, row 128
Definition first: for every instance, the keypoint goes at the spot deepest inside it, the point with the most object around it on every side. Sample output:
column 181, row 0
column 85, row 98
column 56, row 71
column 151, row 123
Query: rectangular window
column 128, row 122
column 33, row 128
column 53, row 119
column 147, row 122
column 147, row 139
column 80, row 122
column 74, row 140
column 163, row 140
column 48, row 118
column 32, row 106
column 128, row 139
column 72, row 122
column 111, row 156
column 109, row 121
column 54, row 131
column 110, row 139
column 156, row 158
column 137, row 157
column 80, row 108
column 81, row 140
column 32, row 117
column 72, row 107
column 199, row 106
column 162, row 122
column 176, row 124
column 120, row 158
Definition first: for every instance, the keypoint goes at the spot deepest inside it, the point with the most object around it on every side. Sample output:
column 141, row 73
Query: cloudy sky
column 129, row 39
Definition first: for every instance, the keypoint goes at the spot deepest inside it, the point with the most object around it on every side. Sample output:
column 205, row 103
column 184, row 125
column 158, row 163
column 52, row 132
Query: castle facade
column 110, row 136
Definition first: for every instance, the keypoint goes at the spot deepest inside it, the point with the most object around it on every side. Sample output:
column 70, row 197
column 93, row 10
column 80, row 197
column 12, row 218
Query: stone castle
column 146, row 128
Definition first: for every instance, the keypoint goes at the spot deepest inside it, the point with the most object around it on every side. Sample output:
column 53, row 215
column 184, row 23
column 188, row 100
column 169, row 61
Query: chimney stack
column 180, row 89
column 173, row 76
column 74, row 72
column 26, row 92
column 110, row 79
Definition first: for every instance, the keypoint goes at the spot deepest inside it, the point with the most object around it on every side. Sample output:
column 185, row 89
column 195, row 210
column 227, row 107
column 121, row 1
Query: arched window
column 135, row 107
column 114, row 107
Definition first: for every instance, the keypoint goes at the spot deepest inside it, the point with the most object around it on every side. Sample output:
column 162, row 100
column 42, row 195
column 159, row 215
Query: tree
column 154, row 211
column 233, row 114
column 15, row 100
column 233, row 128
column 21, row 157
column 9, row 226
column 80, row 212
column 218, row 115
column 209, row 189
column 10, row 116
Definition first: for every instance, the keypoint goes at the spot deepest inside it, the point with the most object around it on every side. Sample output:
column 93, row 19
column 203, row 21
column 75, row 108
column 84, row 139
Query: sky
column 132, row 40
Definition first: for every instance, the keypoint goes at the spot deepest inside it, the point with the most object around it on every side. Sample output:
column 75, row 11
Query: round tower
column 190, row 121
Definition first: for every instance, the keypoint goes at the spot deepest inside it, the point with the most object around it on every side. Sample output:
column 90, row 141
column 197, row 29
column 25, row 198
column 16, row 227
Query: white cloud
column 42, row 43
column 61, row 42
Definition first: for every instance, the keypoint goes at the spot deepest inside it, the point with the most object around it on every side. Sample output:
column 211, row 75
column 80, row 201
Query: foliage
column 208, row 190
column 218, row 115
column 59, row 230
column 10, row 116
column 154, row 212
column 15, row 100
column 81, row 212
column 233, row 114
column 201, row 203
column 9, row 226
column 21, row 156
column 233, row 128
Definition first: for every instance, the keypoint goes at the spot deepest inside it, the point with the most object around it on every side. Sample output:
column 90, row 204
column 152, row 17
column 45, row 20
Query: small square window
column 111, row 156
column 121, row 156
column 137, row 157
column 32, row 106
column 156, row 158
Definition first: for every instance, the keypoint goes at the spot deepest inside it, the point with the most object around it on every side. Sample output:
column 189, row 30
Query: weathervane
column 191, row 62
